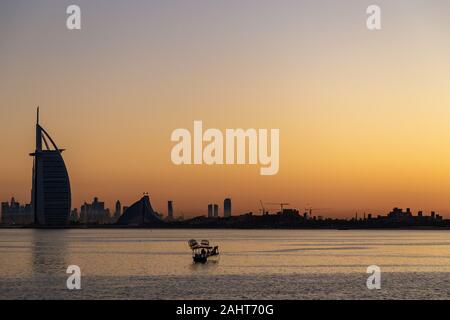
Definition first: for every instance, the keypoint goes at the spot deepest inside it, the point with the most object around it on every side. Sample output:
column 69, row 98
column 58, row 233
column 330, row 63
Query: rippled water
column 254, row 264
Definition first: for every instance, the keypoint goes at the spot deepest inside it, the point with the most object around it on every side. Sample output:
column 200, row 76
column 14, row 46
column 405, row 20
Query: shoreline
column 418, row 228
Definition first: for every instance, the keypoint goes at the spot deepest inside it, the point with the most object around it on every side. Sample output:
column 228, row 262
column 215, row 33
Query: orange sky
column 363, row 116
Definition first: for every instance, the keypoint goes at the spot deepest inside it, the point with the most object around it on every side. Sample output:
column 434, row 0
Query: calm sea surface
column 254, row 264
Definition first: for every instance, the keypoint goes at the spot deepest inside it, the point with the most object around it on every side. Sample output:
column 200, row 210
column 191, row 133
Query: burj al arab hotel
column 51, row 197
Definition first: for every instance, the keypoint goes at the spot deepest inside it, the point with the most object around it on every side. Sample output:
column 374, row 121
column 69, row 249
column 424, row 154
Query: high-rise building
column 51, row 196
column 210, row 211
column 227, row 208
column 5, row 207
column 118, row 211
column 216, row 210
column 94, row 212
column 15, row 213
column 74, row 217
column 170, row 209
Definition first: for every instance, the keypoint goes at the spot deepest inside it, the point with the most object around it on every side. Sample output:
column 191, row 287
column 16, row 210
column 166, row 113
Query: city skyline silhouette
column 362, row 116
column 224, row 158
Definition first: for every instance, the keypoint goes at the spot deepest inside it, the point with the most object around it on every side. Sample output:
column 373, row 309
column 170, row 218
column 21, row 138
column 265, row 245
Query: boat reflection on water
column 203, row 252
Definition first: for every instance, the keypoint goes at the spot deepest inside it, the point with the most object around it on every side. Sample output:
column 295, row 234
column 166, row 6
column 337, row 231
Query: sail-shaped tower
column 51, row 197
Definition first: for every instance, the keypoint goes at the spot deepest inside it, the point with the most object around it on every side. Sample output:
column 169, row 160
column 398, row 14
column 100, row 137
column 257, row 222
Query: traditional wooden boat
column 202, row 251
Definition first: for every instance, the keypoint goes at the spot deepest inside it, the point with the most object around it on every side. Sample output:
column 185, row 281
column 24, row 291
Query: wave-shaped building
column 140, row 213
column 51, row 196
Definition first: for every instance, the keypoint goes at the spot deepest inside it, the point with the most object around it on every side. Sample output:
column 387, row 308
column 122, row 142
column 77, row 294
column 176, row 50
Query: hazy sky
column 364, row 116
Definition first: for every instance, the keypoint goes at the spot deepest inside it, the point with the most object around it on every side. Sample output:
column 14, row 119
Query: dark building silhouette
column 94, row 212
column 74, row 216
column 140, row 213
column 170, row 209
column 118, row 211
column 51, row 197
column 398, row 215
column 216, row 211
column 227, row 208
column 15, row 213
column 210, row 211
column 291, row 212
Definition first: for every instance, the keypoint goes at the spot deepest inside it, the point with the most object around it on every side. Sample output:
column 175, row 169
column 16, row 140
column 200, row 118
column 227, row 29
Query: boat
column 202, row 251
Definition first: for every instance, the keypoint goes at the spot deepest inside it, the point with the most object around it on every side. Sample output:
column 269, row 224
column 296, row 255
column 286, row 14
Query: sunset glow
column 363, row 116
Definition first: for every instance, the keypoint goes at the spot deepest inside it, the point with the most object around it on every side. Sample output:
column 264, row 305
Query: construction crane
column 262, row 207
column 281, row 204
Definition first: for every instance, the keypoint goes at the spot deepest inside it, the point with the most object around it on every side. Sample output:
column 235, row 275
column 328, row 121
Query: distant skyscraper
column 15, row 213
column 51, row 197
column 227, row 208
column 118, row 211
column 170, row 209
column 216, row 210
column 5, row 209
column 74, row 215
column 94, row 212
column 210, row 211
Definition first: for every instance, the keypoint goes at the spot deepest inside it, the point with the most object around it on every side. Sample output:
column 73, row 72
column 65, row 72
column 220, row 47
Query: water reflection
column 49, row 252
column 210, row 267
column 274, row 264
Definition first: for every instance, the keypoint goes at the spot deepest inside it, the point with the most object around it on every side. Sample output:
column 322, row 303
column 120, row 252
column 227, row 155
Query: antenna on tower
column 38, row 132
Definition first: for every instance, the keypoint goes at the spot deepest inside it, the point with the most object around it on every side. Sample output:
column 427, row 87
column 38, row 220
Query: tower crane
column 281, row 204
column 262, row 207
